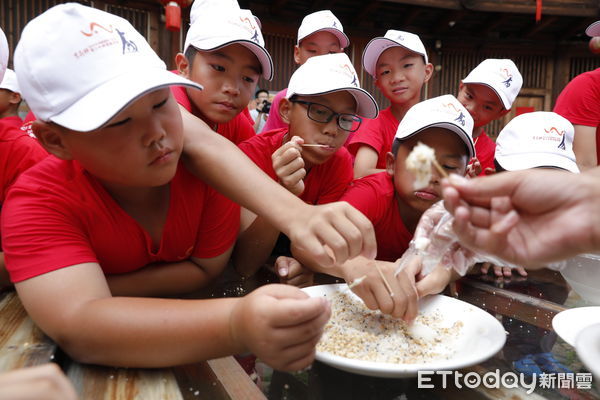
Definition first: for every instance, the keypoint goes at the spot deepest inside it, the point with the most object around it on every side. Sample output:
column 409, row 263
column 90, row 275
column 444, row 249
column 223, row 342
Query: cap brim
column 373, row 50
column 501, row 96
column 464, row 136
column 264, row 58
column 341, row 36
column 521, row 161
column 105, row 101
column 593, row 29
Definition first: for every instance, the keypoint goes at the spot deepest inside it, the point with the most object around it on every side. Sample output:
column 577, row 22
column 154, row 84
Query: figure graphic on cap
column 128, row 224
column 399, row 65
column 488, row 92
column 224, row 51
column 579, row 102
column 319, row 33
column 128, row 45
column 322, row 106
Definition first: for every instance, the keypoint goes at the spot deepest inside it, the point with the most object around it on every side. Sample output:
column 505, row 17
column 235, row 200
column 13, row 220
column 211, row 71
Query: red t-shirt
column 579, row 102
column 27, row 122
column 57, row 215
column 485, row 149
column 14, row 121
column 324, row 183
column 237, row 130
column 374, row 196
column 377, row 133
column 18, row 152
column 274, row 121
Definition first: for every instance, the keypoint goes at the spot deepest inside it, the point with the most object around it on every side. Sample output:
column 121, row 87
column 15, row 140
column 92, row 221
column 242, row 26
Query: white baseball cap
column 331, row 73
column 392, row 38
column 3, row 53
column 501, row 75
column 88, row 67
column 593, row 29
column 322, row 21
column 537, row 139
column 214, row 30
column 439, row 112
column 10, row 81
column 200, row 7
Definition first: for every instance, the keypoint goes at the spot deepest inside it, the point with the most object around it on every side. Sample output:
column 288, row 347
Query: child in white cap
column 319, row 33
column 10, row 99
column 394, row 207
column 224, row 51
column 488, row 93
column 323, row 104
column 398, row 62
column 115, row 213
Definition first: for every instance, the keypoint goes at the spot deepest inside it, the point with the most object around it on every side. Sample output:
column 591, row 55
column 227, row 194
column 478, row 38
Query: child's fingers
column 290, row 159
column 282, row 266
column 293, row 179
column 358, row 234
column 288, row 312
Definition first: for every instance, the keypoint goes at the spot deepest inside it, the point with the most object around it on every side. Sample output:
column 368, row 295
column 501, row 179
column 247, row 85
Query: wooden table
column 23, row 344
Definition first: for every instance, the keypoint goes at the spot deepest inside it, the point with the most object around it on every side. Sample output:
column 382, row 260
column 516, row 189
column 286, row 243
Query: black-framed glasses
column 323, row 114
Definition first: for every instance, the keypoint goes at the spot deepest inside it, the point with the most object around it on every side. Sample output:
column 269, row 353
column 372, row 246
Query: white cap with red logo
column 501, row 75
column 323, row 21
column 331, row 73
column 392, row 38
column 218, row 25
column 534, row 140
column 438, row 112
column 89, row 66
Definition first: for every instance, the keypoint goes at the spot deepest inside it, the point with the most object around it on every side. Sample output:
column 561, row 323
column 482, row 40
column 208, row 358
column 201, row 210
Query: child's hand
column 42, row 382
column 474, row 168
column 281, row 325
column 500, row 271
column 290, row 271
column 289, row 165
column 374, row 292
column 435, row 282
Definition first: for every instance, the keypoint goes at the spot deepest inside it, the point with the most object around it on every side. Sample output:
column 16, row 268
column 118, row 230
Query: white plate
column 587, row 345
column 480, row 338
column 567, row 324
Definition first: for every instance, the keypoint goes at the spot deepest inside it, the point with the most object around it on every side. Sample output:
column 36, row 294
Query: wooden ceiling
column 475, row 21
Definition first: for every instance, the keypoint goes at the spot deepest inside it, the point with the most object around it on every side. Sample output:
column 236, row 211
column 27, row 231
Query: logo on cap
column 561, row 133
column 129, row 46
column 350, row 73
column 93, row 31
column 461, row 117
column 249, row 24
column 400, row 37
column 508, row 77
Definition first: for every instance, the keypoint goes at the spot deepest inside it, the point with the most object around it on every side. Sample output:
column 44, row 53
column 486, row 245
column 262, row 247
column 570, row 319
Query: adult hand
column 527, row 217
column 281, row 325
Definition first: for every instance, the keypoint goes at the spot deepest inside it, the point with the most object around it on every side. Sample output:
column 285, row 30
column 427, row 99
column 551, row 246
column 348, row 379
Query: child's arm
column 254, row 244
column 73, row 305
column 168, row 279
column 365, row 162
column 222, row 165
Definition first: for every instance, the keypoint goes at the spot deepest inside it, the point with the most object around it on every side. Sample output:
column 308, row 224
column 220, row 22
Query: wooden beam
column 491, row 23
column 576, row 28
column 537, row 27
column 446, row 4
column 443, row 24
column 410, row 16
column 576, row 8
column 364, row 11
column 277, row 6
column 321, row 5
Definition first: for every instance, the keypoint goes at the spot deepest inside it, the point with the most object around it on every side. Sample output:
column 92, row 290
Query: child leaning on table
column 224, row 51
column 398, row 63
column 488, row 92
column 323, row 104
column 394, row 206
column 116, row 201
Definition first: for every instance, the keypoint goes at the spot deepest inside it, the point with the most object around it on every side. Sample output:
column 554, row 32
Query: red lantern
column 595, row 45
column 173, row 16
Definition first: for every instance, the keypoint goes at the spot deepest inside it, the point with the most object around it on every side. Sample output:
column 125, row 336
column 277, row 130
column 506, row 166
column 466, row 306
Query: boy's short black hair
column 190, row 54
column 395, row 146
column 259, row 91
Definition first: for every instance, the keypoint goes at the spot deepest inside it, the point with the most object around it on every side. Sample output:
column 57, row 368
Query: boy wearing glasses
column 323, row 104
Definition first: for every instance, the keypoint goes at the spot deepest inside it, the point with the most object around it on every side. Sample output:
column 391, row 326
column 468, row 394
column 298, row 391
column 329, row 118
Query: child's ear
column 285, row 110
column 49, row 136
column 15, row 98
column 183, row 65
column 297, row 54
column 390, row 160
column 428, row 72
